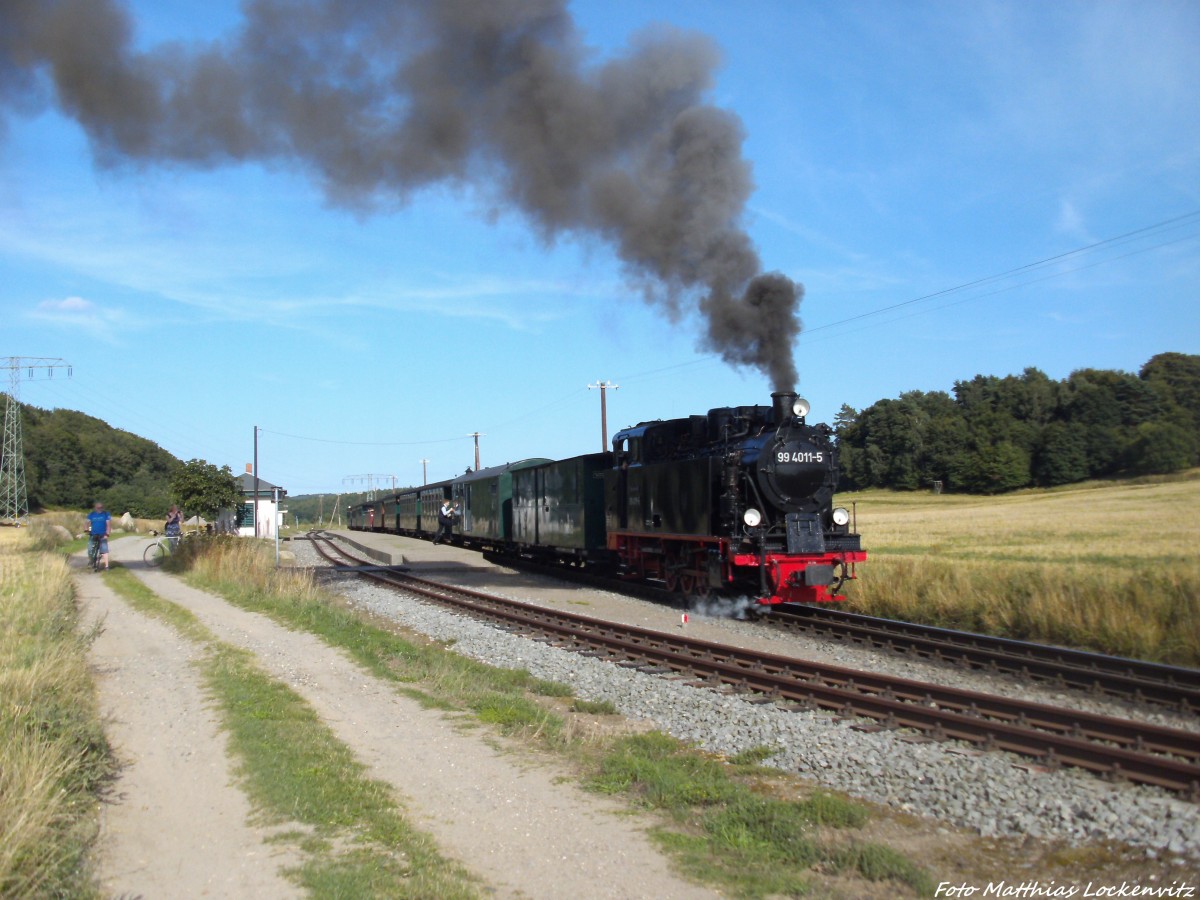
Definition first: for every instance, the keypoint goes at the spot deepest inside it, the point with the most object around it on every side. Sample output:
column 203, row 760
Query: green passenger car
column 428, row 501
column 559, row 506
column 485, row 501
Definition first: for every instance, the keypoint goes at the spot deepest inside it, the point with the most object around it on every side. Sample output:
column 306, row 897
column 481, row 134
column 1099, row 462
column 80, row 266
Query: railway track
column 1120, row 749
column 1095, row 673
column 1139, row 681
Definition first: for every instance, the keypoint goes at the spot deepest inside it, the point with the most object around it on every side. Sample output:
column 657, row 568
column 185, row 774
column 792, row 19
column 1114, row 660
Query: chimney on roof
column 249, row 468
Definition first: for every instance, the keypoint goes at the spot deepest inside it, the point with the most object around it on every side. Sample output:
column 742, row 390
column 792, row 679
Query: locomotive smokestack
column 782, row 402
column 377, row 101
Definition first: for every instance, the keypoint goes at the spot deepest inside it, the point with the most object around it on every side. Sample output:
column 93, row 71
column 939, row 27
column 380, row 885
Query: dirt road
column 177, row 825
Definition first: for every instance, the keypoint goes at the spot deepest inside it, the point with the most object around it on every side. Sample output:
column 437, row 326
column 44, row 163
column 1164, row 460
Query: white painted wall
column 269, row 518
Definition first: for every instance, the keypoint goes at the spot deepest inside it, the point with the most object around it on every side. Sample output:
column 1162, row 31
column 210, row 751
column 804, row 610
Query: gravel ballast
column 990, row 792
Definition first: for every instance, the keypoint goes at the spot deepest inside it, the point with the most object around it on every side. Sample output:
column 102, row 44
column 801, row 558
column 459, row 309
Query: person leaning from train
column 445, row 522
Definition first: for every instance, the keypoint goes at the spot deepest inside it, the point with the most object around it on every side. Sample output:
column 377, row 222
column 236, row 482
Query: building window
column 245, row 515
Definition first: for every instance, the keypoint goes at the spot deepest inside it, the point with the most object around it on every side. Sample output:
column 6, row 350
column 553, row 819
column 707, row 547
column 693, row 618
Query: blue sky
column 899, row 150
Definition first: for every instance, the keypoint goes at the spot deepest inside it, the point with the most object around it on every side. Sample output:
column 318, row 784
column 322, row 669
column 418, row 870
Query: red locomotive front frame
column 695, row 566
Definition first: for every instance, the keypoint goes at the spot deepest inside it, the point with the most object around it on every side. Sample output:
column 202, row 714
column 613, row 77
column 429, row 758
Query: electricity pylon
column 14, row 498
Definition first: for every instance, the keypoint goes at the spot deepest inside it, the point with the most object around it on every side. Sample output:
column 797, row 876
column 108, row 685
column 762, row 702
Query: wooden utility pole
column 604, row 386
column 477, row 436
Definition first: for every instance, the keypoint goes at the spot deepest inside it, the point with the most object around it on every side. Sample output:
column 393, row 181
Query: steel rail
column 1051, row 735
column 1139, row 680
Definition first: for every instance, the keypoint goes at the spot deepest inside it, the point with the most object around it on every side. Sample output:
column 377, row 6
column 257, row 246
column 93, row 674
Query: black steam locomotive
column 738, row 501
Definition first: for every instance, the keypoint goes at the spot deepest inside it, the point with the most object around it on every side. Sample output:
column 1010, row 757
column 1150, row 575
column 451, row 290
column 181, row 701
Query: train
column 735, row 503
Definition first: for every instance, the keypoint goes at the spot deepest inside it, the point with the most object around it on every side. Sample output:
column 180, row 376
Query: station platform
column 421, row 557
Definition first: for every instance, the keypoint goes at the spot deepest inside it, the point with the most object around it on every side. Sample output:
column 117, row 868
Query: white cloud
column 69, row 305
column 103, row 323
column 1070, row 222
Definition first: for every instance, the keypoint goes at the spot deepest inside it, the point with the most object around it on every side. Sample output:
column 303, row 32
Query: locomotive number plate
column 806, row 456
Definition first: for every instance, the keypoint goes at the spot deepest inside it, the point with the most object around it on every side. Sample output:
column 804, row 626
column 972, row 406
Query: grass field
column 53, row 753
column 1108, row 566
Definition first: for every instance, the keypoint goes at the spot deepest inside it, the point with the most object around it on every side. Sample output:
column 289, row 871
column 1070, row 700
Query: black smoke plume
column 379, row 98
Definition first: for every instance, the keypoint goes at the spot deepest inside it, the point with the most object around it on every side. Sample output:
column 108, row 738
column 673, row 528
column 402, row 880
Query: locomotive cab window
column 629, row 451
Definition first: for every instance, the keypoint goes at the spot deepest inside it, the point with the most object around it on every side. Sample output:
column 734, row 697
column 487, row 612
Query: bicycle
column 156, row 553
column 94, row 541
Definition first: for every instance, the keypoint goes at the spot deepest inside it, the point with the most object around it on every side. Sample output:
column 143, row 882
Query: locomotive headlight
column 752, row 517
column 801, row 407
column 841, row 516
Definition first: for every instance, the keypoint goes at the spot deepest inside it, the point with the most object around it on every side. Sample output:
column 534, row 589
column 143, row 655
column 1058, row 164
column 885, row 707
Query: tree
column 850, row 449
column 201, row 488
column 1161, row 447
column 1177, row 376
column 993, row 468
column 1062, row 456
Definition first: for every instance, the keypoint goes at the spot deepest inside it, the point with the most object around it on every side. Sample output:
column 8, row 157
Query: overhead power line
column 1166, row 224
column 1161, row 227
column 301, row 437
column 1001, row 290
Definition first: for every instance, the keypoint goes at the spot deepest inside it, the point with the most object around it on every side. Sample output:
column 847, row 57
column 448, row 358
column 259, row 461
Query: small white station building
column 261, row 508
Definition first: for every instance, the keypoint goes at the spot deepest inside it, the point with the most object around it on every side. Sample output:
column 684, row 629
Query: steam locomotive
column 737, row 502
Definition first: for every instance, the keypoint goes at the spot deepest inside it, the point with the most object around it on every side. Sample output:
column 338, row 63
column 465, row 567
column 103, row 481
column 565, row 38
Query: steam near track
column 377, row 100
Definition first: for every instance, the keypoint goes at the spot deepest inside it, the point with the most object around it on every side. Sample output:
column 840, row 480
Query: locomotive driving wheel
column 694, row 579
column 675, row 571
column 684, row 573
column 695, row 585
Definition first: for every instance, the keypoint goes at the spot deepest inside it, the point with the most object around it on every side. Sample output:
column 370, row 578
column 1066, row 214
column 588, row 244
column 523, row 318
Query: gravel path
column 172, row 825
column 516, row 824
column 992, row 793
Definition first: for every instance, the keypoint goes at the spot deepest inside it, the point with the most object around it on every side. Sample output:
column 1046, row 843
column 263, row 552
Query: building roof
column 246, row 485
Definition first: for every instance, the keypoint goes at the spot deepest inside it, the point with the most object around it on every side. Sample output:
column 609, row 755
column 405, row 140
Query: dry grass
column 77, row 522
column 244, row 563
column 53, row 754
column 50, row 531
column 1110, row 566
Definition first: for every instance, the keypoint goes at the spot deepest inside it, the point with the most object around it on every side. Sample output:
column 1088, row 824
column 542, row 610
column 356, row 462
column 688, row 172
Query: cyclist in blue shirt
column 98, row 532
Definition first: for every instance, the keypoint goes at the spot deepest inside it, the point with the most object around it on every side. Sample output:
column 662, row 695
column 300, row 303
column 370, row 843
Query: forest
column 999, row 434
column 73, row 459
